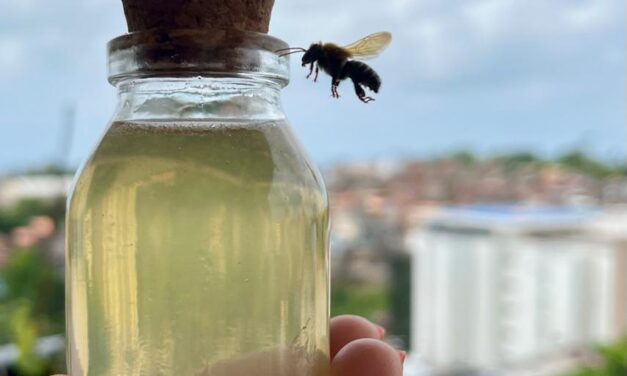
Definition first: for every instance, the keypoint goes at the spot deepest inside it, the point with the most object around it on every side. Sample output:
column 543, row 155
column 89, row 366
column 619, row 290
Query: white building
column 497, row 289
column 44, row 187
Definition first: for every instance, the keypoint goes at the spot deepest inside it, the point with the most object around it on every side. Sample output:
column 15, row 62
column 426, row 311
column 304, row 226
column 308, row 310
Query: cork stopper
column 246, row 15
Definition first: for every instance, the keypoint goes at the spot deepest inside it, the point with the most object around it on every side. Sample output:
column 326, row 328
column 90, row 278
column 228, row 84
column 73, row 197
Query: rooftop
column 512, row 218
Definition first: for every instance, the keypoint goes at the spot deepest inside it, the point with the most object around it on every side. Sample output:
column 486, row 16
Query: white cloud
column 20, row 6
column 592, row 14
column 489, row 19
column 537, row 18
column 445, row 53
column 445, row 40
column 12, row 55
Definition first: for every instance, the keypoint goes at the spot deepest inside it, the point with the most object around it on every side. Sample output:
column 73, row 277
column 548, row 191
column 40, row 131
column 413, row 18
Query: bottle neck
column 217, row 97
column 197, row 74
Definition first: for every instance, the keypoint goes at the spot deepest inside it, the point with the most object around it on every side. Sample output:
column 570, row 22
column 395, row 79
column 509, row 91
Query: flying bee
column 343, row 62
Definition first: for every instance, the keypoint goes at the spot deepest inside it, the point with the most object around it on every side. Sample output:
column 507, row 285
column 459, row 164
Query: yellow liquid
column 198, row 249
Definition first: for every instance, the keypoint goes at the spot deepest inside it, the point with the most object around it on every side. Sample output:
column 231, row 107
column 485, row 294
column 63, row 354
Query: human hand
column 356, row 349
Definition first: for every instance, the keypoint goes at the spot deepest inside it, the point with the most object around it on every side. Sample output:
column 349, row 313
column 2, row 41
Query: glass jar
column 197, row 231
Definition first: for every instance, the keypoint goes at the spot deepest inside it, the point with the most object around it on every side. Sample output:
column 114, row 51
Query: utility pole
column 66, row 136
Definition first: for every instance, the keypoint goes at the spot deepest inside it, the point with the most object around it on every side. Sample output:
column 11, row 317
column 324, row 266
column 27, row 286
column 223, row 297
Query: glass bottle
column 197, row 239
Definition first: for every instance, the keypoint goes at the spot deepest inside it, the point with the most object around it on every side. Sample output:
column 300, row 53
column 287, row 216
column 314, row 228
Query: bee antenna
column 291, row 50
column 289, row 53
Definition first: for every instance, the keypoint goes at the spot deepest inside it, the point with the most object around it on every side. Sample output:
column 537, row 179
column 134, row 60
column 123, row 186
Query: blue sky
column 485, row 75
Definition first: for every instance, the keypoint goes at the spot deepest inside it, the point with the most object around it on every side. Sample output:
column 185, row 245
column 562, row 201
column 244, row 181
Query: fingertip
column 367, row 357
column 380, row 330
column 347, row 328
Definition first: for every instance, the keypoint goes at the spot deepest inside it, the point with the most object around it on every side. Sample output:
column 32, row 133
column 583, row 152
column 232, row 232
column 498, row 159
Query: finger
column 347, row 328
column 368, row 357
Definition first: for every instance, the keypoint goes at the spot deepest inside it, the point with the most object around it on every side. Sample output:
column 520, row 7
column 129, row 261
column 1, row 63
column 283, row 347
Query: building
column 499, row 289
column 41, row 187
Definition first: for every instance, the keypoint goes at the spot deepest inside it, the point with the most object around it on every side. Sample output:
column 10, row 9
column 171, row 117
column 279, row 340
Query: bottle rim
column 193, row 52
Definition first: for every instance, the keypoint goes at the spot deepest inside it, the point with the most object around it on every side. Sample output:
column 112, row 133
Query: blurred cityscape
column 508, row 265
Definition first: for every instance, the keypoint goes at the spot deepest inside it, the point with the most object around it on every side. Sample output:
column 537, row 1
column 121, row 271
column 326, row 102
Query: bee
column 343, row 62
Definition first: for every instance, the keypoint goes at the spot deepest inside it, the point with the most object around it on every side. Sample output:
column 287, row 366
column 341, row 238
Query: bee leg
column 334, row 84
column 366, row 99
column 361, row 93
column 310, row 71
column 316, row 76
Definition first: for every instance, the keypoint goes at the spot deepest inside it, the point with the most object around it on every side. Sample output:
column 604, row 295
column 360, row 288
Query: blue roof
column 512, row 215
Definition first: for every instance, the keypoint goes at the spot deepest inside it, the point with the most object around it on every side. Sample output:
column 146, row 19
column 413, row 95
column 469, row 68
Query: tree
column 31, row 306
column 400, row 298
column 20, row 213
column 612, row 361
column 579, row 161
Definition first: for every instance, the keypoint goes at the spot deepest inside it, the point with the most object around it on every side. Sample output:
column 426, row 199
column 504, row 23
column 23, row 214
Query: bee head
column 312, row 54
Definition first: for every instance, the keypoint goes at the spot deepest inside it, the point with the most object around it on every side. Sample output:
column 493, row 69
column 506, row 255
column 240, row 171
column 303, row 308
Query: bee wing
column 370, row 46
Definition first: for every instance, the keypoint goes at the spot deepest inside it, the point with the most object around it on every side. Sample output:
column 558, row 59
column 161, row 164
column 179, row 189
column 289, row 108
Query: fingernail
column 380, row 330
column 403, row 355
